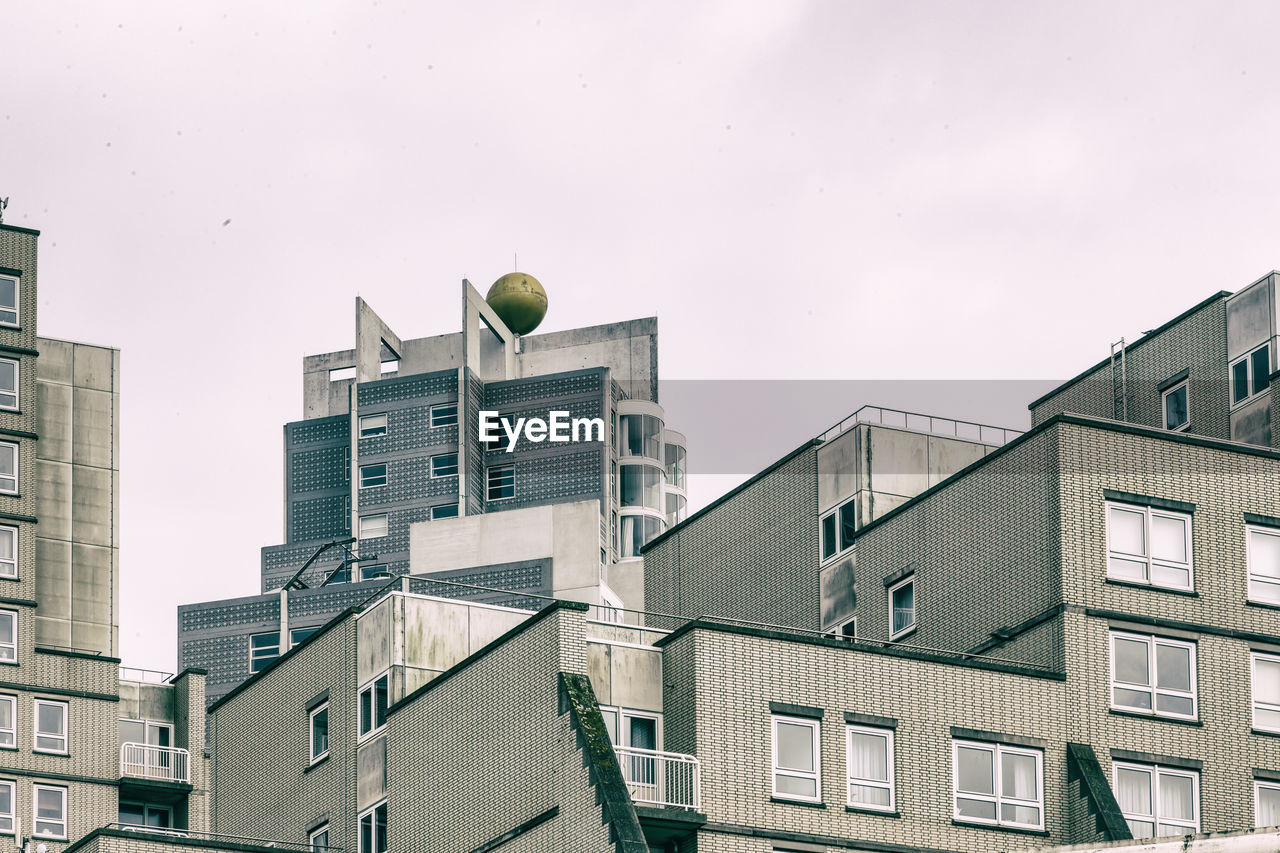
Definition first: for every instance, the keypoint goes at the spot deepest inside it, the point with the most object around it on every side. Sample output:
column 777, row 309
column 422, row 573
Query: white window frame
column 386, row 476
column 311, row 731
column 834, row 513
column 316, row 847
column 370, row 687
column 851, row 781
column 442, row 507
column 1164, row 406
column 998, row 751
column 36, row 820
column 386, row 520
column 433, row 466
column 1155, row 771
column 838, row 630
column 1258, row 786
column 488, row 483
column 7, row 818
column 371, row 430
column 17, row 301
column 148, row 809
column 9, row 568
column 1250, row 378
column 36, row 734
column 911, row 580
column 1250, row 531
column 622, row 715
column 255, row 658
column 9, row 482
column 1254, row 704
column 371, row 813
column 1154, row 641
column 17, row 385
column 815, row 725
column 444, row 420
column 9, row 645
column 1148, row 513
column 12, row 701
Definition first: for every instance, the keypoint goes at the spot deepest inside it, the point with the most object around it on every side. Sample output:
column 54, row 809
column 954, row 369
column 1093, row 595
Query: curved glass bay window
column 640, row 485
column 639, row 435
column 635, row 530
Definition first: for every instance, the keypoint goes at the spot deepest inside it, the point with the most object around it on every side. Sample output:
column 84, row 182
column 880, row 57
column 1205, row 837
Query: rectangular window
column 444, row 414
column 8, row 636
column 8, row 468
column 1266, row 803
column 373, row 526
column 444, row 465
column 10, row 286
column 1262, row 550
column 837, row 528
column 446, row 511
column 8, row 722
column 1266, row 692
column 847, row 630
column 869, row 759
column 373, row 425
column 346, row 464
column 338, row 374
column 51, row 726
column 142, row 814
column 297, row 635
column 319, row 839
column 319, row 732
column 390, row 366
column 7, row 795
column 1153, row 675
column 373, row 830
column 50, row 806
column 998, row 784
column 902, row 608
column 8, row 384
column 372, row 476
column 501, row 482
column 8, row 552
column 1146, row 545
column 796, row 765
column 1157, row 801
column 1176, row 413
column 373, row 704
column 499, row 440
column 263, row 649
column 1250, row 374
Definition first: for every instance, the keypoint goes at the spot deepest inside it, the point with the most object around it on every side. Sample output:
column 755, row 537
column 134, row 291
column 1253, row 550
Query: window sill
column 1265, row 605
column 1256, row 731
column 866, row 810
column 1043, row 833
column 316, row 763
column 51, row 752
column 370, row 735
column 1190, row 593
column 896, row 638
column 1159, row 718
column 789, row 802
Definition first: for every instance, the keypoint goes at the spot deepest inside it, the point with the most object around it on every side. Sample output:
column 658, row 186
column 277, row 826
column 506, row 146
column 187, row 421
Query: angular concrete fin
column 373, row 337
column 488, row 346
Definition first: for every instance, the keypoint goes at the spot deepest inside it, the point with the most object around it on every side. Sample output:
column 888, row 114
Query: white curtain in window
column 1133, row 791
column 1268, row 806
column 867, row 758
column 1176, row 798
column 1019, row 772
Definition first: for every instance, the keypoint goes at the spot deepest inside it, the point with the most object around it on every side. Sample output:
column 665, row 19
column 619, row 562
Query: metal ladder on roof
column 1119, row 382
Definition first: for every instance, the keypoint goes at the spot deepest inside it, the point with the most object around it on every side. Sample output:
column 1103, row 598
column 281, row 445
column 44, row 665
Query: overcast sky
column 840, row 190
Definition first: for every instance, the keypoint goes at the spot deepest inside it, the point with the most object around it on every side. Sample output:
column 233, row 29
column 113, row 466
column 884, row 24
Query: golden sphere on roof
column 519, row 301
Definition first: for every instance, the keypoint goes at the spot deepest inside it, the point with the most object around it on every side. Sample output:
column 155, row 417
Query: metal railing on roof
column 915, row 422
column 145, row 676
column 241, row 840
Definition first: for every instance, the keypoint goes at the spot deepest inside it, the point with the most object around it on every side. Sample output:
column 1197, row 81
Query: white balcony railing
column 165, row 763
column 661, row 778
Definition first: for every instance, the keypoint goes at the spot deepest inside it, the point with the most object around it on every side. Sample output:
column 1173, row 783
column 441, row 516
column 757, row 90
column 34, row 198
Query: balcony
column 155, row 763
column 666, row 779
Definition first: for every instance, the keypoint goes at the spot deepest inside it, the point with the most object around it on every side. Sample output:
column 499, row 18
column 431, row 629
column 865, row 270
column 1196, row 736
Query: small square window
column 372, row 476
column 1150, row 546
column 1250, row 374
column 8, row 468
column 446, row 511
column 8, row 384
column 444, row 465
column 263, row 649
column 373, row 704
column 8, row 722
column 444, row 414
column 373, row 425
column 902, row 608
column 501, row 482
column 8, row 552
column 10, row 287
column 796, row 759
column 8, row 636
column 50, row 806
column 1177, row 415
column 319, row 732
column 373, row 526
column 51, row 726
column 1153, row 675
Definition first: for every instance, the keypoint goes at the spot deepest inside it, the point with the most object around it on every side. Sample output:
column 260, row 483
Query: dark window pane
column 1261, row 369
